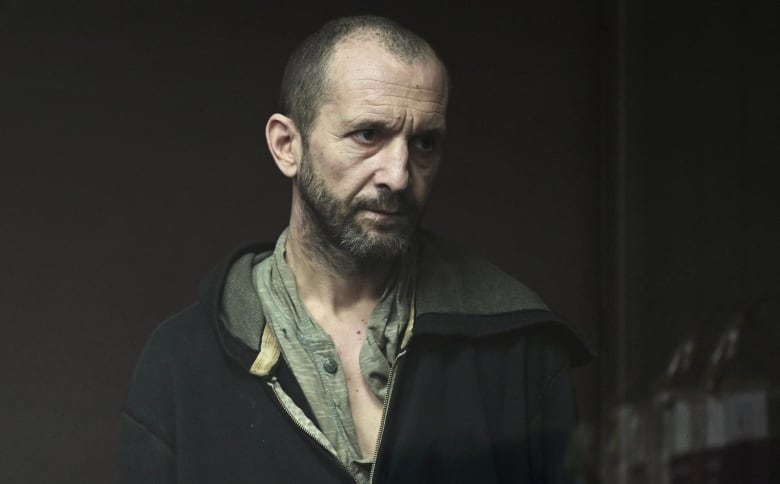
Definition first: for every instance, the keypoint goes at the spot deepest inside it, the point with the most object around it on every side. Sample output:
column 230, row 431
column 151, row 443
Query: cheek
column 421, row 185
column 342, row 166
column 351, row 182
column 331, row 170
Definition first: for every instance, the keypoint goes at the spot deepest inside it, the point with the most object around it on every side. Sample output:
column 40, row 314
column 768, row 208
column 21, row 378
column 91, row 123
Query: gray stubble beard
column 333, row 225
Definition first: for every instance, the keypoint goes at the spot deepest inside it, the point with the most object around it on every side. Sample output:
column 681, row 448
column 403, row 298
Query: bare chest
column 365, row 407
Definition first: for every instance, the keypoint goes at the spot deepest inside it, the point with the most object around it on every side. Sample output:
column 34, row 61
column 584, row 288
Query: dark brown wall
column 701, row 154
column 132, row 154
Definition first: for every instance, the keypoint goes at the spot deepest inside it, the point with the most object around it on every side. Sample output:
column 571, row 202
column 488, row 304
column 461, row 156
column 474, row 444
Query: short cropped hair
column 305, row 84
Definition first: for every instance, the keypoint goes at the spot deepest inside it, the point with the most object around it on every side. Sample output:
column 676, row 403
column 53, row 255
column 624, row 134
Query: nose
column 393, row 169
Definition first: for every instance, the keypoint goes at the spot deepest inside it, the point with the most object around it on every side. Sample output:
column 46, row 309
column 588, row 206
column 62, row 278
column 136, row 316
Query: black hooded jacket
column 482, row 393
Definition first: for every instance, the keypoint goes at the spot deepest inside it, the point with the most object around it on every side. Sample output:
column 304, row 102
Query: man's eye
column 366, row 136
column 425, row 144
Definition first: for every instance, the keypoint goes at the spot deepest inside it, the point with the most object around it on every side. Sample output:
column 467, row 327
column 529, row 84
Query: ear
column 284, row 142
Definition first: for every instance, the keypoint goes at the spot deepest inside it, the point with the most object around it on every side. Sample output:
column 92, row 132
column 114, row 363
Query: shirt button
column 330, row 366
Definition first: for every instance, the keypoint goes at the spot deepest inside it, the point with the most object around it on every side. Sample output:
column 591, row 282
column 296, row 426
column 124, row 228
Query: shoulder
column 177, row 334
column 150, row 400
column 460, row 293
column 177, row 339
column 453, row 280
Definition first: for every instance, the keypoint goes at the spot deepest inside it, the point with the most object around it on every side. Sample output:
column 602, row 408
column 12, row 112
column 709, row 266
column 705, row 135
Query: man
column 357, row 349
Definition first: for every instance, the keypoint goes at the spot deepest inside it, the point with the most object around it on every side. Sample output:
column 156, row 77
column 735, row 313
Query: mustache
column 391, row 202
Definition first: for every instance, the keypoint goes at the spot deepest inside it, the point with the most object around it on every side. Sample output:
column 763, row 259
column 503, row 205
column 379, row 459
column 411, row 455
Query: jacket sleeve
column 554, row 420
column 147, row 450
column 144, row 457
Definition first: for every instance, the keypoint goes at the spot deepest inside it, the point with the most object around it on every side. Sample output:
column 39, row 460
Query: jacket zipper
column 385, row 406
column 311, row 436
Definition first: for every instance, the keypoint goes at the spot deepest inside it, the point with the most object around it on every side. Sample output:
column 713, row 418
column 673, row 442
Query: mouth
column 385, row 219
column 384, row 213
column 387, row 212
column 385, row 208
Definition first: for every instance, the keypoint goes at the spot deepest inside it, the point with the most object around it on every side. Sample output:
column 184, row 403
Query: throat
column 332, row 285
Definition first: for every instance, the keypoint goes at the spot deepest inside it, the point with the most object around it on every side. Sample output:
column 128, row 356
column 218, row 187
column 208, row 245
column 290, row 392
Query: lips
column 387, row 205
column 386, row 212
column 385, row 209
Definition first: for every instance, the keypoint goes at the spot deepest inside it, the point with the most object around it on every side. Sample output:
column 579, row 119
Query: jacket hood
column 456, row 294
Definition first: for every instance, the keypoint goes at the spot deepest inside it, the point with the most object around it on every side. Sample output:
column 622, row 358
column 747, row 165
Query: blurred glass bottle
column 742, row 376
column 690, row 418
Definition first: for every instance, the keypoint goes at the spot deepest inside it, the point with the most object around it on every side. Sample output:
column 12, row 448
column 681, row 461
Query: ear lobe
column 283, row 143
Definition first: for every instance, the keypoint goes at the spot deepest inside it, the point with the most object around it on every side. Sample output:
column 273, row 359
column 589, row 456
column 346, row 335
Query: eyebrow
column 368, row 123
column 383, row 125
column 436, row 132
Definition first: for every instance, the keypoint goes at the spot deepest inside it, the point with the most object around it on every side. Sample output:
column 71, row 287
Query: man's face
column 374, row 150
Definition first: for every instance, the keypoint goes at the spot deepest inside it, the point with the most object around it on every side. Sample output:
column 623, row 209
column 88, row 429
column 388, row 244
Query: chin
column 378, row 245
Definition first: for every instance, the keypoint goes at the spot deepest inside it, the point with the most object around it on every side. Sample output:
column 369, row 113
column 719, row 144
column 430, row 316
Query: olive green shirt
column 312, row 357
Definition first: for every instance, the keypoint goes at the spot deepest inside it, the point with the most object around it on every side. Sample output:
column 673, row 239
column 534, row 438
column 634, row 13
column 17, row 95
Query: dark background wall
column 132, row 156
column 695, row 173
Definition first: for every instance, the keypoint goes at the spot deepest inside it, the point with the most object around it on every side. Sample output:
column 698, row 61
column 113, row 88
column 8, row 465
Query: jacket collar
column 456, row 294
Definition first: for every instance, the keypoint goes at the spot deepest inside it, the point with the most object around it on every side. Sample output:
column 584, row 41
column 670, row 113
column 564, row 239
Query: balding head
column 306, row 82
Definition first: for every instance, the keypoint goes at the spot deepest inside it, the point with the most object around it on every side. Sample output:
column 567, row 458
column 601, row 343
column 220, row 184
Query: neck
column 328, row 276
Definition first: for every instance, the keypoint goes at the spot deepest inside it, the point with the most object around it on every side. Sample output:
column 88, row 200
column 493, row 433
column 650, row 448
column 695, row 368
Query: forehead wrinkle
column 395, row 101
column 412, row 94
column 370, row 80
column 371, row 102
column 383, row 113
column 390, row 110
column 427, row 120
column 405, row 94
column 421, row 85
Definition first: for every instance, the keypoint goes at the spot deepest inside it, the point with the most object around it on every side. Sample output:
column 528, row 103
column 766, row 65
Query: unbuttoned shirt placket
column 325, row 361
column 314, row 361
